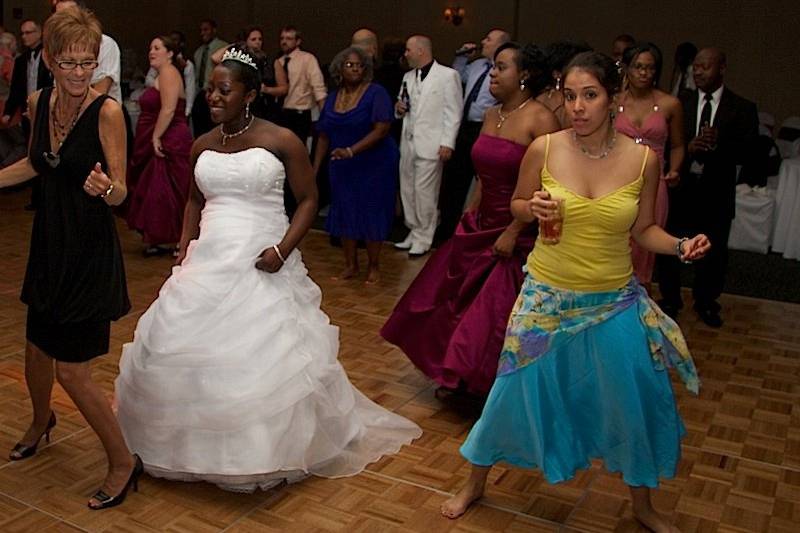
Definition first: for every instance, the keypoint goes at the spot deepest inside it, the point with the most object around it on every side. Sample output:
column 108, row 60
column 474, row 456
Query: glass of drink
column 550, row 230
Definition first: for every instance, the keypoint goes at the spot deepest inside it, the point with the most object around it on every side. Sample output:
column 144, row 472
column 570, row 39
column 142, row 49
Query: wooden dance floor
column 741, row 458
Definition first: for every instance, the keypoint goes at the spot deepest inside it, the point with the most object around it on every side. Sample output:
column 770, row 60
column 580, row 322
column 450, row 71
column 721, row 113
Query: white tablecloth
column 786, row 237
column 752, row 227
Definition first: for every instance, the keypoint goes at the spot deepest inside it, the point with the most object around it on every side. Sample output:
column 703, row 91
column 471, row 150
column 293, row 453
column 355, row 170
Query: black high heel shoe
column 107, row 501
column 23, row 451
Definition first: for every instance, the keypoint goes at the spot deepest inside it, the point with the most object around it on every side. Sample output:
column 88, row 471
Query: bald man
column 722, row 128
column 458, row 172
column 367, row 40
column 430, row 126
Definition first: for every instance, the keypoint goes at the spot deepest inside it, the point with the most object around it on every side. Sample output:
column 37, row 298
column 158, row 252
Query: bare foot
column 347, row 273
column 373, row 276
column 655, row 521
column 458, row 504
column 115, row 481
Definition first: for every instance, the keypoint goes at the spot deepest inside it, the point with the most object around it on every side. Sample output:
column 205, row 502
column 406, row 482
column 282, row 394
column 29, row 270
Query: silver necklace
column 602, row 155
column 227, row 136
column 503, row 117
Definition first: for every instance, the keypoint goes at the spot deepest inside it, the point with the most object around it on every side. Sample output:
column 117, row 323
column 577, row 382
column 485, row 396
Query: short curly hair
column 337, row 64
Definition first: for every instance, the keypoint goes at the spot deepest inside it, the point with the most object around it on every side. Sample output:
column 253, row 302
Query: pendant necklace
column 227, row 136
column 503, row 117
column 61, row 131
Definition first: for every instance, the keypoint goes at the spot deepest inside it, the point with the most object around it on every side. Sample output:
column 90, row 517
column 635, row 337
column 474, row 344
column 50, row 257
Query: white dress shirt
column 108, row 66
column 701, row 102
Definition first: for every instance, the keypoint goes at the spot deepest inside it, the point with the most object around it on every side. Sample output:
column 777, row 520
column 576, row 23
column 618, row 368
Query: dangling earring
column 247, row 111
column 558, row 83
column 521, row 85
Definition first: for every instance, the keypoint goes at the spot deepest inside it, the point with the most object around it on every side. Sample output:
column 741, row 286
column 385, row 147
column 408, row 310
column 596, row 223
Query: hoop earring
column 247, row 111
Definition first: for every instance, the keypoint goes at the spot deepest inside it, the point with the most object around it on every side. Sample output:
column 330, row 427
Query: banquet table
column 786, row 234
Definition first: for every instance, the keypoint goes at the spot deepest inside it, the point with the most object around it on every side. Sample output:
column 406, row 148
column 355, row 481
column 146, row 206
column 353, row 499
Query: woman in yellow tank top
column 583, row 372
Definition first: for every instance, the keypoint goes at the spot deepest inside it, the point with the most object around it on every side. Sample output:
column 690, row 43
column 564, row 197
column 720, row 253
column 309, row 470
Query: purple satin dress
column 654, row 132
column 451, row 321
column 158, row 187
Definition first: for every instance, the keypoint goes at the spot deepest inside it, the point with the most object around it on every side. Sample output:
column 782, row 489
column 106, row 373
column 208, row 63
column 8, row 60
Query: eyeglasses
column 72, row 65
column 646, row 68
column 353, row 64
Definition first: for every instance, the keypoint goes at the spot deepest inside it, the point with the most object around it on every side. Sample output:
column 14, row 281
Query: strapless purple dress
column 654, row 132
column 158, row 187
column 451, row 321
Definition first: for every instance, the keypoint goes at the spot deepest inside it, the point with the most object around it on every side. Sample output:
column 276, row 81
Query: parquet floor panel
column 740, row 467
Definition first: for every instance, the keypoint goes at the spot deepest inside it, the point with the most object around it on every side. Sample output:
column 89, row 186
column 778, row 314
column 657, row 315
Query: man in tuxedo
column 722, row 128
column 473, row 63
column 29, row 75
column 30, row 72
column 431, row 118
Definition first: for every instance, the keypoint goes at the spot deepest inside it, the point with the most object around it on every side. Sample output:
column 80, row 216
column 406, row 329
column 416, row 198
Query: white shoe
column 418, row 250
column 405, row 244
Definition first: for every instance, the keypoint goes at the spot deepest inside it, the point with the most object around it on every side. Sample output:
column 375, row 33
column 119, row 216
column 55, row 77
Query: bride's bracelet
column 278, row 251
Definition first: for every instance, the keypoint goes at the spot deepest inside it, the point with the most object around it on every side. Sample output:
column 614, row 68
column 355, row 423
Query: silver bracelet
column 108, row 191
column 679, row 251
column 350, row 152
column 278, row 251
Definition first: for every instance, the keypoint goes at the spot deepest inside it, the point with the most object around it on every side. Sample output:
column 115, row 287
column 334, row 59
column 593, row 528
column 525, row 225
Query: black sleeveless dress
column 75, row 280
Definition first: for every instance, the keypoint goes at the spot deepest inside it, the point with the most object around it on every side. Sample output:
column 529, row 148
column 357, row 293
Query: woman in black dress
column 75, row 280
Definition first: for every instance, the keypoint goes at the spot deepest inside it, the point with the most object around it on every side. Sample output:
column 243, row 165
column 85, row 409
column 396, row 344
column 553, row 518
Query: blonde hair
column 74, row 27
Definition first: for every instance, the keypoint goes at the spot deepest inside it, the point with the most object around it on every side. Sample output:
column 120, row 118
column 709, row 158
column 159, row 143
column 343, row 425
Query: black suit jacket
column 737, row 123
column 18, row 92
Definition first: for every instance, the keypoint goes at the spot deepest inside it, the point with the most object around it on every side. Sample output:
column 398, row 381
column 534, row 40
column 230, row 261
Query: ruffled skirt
column 233, row 377
column 599, row 392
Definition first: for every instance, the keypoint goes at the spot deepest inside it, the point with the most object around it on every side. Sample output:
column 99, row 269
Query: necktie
column 201, row 75
column 705, row 113
column 476, row 89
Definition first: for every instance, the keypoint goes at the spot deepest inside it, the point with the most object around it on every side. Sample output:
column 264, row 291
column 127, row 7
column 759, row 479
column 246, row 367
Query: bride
column 232, row 376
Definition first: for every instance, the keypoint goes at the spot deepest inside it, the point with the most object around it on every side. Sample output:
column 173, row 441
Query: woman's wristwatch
column 679, row 251
column 108, row 191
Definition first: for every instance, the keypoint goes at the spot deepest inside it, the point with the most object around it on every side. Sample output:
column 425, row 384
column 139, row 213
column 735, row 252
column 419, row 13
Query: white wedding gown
column 232, row 376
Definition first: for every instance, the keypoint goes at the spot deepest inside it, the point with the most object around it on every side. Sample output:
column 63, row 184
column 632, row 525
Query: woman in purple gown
column 159, row 173
column 452, row 319
column 655, row 118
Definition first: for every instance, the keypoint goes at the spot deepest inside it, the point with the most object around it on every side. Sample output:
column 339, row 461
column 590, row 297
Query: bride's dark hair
column 247, row 74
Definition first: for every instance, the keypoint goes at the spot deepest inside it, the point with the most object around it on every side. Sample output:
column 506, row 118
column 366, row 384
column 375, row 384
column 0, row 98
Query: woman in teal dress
column 583, row 371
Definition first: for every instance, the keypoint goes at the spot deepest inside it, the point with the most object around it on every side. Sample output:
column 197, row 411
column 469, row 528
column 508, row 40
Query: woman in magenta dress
column 451, row 321
column 159, row 173
column 655, row 118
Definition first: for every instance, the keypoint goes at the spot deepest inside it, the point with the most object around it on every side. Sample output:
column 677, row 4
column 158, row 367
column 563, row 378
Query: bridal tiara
column 241, row 56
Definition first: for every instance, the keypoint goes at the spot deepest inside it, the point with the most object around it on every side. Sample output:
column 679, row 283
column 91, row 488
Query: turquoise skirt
column 584, row 375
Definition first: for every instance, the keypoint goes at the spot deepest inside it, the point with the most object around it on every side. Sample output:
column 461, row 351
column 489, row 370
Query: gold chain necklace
column 503, row 117
column 228, row 136
column 345, row 101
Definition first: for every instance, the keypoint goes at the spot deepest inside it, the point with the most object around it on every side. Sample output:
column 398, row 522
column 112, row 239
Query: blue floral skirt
column 584, row 375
